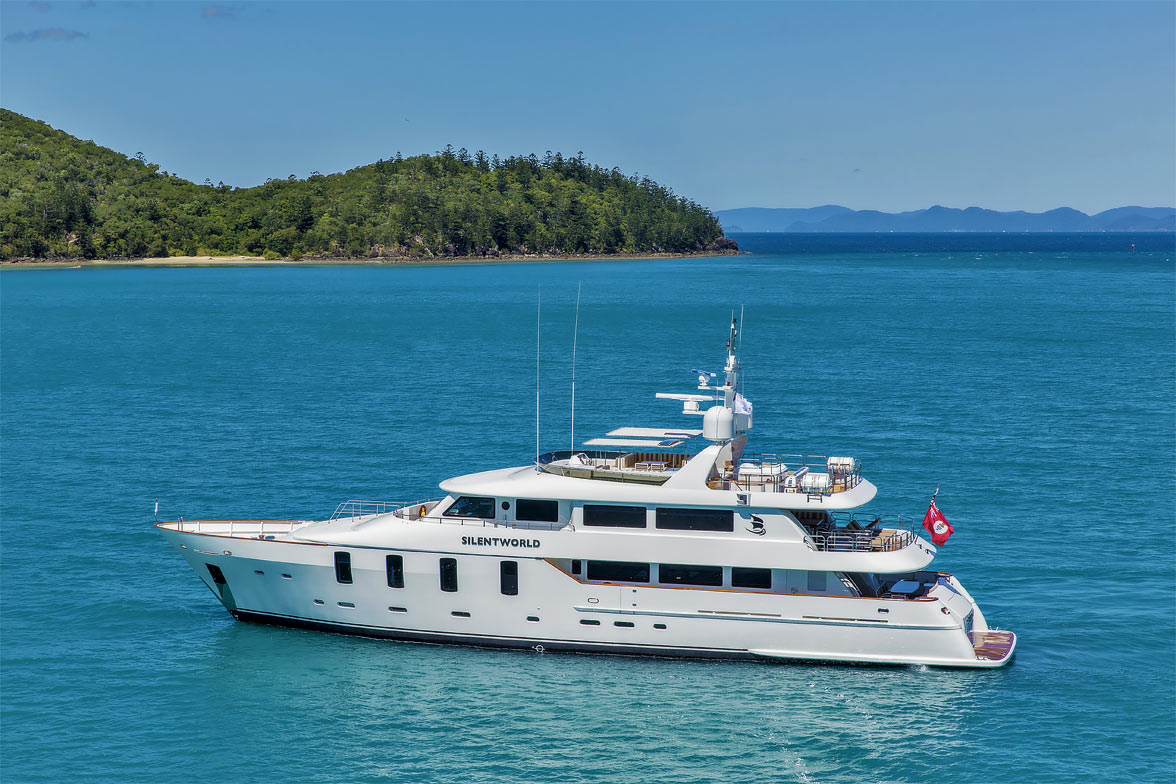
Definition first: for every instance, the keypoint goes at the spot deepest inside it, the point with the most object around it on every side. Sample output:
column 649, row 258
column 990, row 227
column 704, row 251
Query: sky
column 888, row 106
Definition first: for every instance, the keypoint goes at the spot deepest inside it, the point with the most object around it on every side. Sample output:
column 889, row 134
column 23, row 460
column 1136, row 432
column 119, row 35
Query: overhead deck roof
column 664, row 443
column 653, row 432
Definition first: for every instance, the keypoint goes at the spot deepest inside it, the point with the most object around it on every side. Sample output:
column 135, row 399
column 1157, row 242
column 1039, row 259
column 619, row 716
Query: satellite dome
column 718, row 424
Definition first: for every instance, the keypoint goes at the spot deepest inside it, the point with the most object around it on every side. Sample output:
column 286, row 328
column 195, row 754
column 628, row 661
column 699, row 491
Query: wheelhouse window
column 689, row 574
column 343, row 568
column 471, row 506
column 537, row 511
column 618, row 571
column 745, row 577
column 606, row 515
column 695, row 519
column 395, row 565
column 449, row 575
column 509, row 578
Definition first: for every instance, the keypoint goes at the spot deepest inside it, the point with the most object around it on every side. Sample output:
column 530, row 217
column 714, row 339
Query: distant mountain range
column 832, row 218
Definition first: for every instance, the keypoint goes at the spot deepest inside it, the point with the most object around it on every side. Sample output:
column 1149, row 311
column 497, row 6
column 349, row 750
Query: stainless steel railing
column 884, row 541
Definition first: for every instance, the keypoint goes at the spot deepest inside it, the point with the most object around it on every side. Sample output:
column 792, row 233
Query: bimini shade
column 653, row 432
column 664, row 443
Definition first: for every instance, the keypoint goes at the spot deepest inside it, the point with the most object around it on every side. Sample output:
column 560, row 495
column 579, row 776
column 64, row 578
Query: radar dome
column 718, row 424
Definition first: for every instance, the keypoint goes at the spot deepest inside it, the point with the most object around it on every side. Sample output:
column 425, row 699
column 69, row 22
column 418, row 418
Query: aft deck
column 857, row 532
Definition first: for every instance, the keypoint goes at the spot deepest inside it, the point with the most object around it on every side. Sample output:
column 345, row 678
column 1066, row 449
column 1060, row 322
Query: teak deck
column 992, row 645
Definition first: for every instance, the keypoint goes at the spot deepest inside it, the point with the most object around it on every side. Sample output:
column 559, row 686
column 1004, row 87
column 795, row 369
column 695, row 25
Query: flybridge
column 653, row 455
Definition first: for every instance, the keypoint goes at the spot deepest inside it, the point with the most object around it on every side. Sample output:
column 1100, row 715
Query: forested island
column 65, row 198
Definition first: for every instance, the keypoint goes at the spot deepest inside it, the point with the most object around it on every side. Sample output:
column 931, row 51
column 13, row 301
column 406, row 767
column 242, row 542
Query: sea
column 1030, row 378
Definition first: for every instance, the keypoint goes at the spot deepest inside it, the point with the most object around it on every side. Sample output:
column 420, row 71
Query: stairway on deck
column 992, row 645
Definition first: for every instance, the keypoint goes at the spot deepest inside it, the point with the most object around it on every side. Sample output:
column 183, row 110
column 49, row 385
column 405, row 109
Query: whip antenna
column 575, row 337
column 538, row 315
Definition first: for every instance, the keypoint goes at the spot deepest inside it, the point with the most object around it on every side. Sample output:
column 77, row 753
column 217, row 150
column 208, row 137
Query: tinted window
column 218, row 576
column 743, row 577
column 541, row 511
column 449, row 574
column 471, row 506
column 618, row 571
column 696, row 519
column 343, row 567
column 816, row 582
column 688, row 574
column 509, row 577
column 614, row 516
column 395, row 571
column 576, row 566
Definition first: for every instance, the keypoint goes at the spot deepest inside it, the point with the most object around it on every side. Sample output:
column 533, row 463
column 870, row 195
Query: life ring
column 421, row 511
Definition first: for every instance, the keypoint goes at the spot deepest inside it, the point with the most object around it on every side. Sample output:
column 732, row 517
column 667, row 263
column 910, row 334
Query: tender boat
column 662, row 541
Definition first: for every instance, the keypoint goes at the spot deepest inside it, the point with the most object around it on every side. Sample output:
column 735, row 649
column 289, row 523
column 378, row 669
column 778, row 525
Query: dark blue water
column 1032, row 379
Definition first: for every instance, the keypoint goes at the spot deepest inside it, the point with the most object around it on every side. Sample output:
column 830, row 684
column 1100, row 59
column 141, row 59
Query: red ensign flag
column 936, row 524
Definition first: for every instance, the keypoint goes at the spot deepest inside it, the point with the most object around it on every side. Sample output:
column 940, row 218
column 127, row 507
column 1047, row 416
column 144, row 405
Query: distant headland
column 62, row 198
column 832, row 218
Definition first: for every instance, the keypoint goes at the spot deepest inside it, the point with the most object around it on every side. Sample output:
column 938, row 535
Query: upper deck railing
column 423, row 512
column 781, row 473
column 863, row 532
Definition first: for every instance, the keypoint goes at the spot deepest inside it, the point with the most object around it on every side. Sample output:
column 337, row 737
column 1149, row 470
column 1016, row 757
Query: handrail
column 884, row 541
column 358, row 508
column 410, row 511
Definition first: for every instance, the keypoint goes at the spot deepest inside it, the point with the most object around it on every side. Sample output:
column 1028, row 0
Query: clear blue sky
column 872, row 105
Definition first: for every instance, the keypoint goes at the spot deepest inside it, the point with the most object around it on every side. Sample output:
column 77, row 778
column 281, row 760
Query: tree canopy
column 61, row 197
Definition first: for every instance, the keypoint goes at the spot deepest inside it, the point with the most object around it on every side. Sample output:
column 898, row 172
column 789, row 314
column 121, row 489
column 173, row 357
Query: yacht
column 646, row 540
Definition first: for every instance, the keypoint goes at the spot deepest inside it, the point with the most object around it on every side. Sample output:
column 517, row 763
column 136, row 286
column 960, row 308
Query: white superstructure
column 665, row 541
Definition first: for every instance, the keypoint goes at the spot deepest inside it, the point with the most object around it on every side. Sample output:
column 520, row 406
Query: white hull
column 656, row 620
column 642, row 544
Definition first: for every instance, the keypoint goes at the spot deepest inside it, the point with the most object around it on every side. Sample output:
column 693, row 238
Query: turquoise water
column 1032, row 379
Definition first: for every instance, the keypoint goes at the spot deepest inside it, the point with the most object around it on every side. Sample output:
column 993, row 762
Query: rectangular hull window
column 618, row 571
column 744, row 577
column 395, row 565
column 614, row 516
column 696, row 519
column 687, row 574
column 537, row 511
column 343, row 568
column 449, row 575
column 509, row 578
column 576, row 566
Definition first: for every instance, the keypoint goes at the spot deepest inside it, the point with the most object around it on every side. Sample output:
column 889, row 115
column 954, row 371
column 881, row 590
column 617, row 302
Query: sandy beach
column 254, row 261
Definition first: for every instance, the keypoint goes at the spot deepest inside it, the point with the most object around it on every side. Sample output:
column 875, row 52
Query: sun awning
column 653, row 432
column 664, row 443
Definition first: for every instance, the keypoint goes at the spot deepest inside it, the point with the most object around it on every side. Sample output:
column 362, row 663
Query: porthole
column 460, row 614
column 347, row 604
column 587, row 622
column 533, row 618
column 625, row 624
column 287, row 576
column 397, row 609
column 659, row 626
column 258, row 571
column 319, row 601
column 505, row 505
